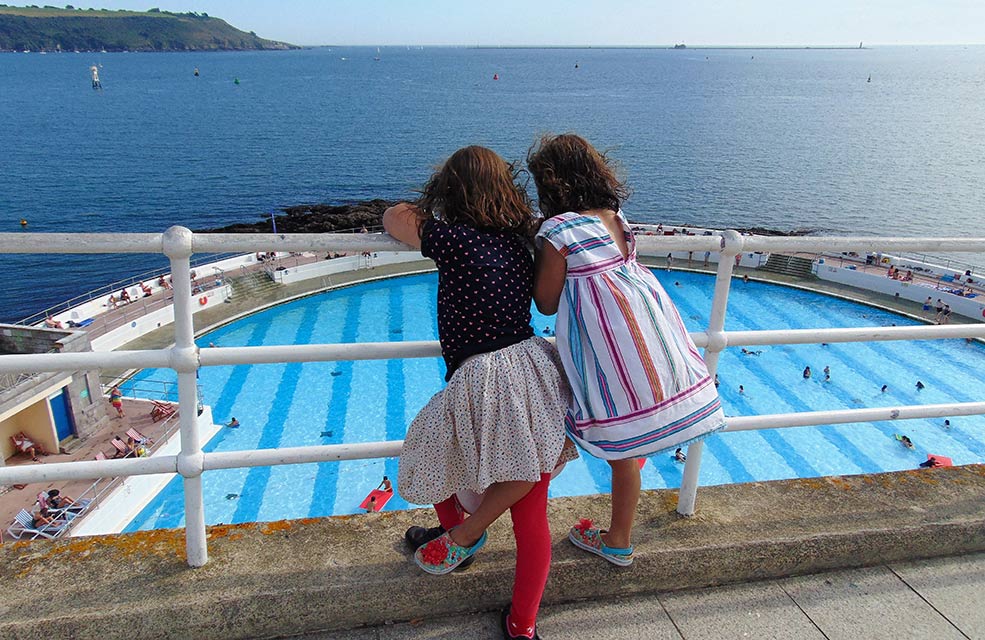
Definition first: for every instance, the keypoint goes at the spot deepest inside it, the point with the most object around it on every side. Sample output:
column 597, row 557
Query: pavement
column 939, row 598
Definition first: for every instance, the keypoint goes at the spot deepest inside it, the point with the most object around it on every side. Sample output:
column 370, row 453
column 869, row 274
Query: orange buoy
column 495, row 76
column 203, row 301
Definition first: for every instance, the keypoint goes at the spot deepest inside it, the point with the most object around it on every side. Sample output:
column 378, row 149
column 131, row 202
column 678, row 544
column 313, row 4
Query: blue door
column 62, row 415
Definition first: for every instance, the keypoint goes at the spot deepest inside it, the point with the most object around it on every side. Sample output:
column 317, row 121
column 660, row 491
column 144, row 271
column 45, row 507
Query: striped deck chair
column 137, row 437
column 162, row 410
column 23, row 525
column 122, row 449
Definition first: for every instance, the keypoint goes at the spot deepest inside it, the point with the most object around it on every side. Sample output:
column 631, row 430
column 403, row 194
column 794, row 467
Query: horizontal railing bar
column 842, row 416
column 319, row 352
column 235, row 242
column 162, row 358
column 90, row 470
column 853, row 334
column 834, row 243
column 82, row 360
column 302, row 455
column 81, row 243
column 87, row 469
column 296, row 242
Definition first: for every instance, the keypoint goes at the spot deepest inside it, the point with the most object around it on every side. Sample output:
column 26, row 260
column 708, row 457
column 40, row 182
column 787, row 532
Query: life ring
column 203, row 301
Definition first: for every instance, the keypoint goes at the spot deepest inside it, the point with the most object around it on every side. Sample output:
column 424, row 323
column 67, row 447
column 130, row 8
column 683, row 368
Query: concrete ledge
column 284, row 578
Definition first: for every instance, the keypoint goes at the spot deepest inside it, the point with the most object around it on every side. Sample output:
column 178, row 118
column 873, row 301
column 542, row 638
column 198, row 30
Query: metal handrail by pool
column 178, row 244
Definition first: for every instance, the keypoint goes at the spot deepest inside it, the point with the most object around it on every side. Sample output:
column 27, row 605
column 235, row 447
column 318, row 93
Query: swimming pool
column 295, row 404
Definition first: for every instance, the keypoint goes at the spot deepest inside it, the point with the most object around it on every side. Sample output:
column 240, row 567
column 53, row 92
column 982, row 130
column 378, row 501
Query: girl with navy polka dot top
column 497, row 427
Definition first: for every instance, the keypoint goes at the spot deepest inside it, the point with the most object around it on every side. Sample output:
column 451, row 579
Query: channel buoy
column 495, row 76
column 236, row 81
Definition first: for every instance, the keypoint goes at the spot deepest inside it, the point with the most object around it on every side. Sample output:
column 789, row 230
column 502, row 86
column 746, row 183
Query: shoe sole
column 616, row 560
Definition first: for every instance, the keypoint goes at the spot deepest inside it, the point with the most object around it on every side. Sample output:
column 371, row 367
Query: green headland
column 49, row 28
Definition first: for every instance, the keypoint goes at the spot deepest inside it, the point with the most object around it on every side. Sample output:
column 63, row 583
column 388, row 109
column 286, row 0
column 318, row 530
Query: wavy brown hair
column 571, row 175
column 478, row 188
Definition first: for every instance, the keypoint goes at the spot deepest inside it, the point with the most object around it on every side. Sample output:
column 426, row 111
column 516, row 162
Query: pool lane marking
column 395, row 401
column 882, row 352
column 172, row 497
column 326, row 481
column 843, row 445
column 716, row 445
column 255, row 483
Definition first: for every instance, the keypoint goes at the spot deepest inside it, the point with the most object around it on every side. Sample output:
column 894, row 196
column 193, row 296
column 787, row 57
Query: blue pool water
column 284, row 405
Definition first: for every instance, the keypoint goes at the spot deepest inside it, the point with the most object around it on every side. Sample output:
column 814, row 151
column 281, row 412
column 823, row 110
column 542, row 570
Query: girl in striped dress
column 639, row 385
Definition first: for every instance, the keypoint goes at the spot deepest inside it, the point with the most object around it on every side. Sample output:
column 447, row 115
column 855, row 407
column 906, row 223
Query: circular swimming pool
column 295, row 404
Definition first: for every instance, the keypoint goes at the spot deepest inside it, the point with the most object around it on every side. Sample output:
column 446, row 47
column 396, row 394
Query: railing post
column 731, row 247
column 177, row 243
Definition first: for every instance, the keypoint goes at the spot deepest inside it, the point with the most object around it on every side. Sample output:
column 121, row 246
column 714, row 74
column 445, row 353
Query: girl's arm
column 550, row 271
column 403, row 222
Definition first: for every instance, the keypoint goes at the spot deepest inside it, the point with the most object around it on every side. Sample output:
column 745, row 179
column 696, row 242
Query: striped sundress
column 638, row 383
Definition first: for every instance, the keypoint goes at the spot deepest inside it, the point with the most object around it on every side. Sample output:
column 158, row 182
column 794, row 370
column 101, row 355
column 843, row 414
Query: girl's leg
column 497, row 499
column 450, row 513
column 625, row 497
column 533, row 557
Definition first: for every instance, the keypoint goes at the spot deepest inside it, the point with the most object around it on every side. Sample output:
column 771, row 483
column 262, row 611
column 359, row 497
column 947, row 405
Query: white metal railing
column 178, row 244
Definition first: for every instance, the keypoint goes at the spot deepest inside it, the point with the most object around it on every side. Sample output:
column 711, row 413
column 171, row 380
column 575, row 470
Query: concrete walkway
column 939, row 598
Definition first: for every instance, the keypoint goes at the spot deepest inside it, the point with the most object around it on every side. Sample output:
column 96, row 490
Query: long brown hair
column 478, row 188
column 571, row 175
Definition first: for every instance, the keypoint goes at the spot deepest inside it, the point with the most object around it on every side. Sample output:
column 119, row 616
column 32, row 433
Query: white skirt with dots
column 500, row 418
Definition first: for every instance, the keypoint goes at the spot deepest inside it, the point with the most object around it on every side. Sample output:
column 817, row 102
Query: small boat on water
column 377, row 58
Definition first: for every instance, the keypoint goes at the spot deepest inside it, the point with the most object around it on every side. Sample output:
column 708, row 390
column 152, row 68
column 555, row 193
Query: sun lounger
column 122, row 450
column 23, row 525
column 162, row 410
column 138, row 437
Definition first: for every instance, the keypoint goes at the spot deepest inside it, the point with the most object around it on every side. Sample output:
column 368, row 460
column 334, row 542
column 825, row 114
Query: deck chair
column 99, row 456
column 137, row 437
column 122, row 450
column 24, row 525
column 162, row 410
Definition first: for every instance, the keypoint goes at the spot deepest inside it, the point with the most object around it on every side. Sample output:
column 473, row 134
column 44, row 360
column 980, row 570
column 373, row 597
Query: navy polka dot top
column 485, row 285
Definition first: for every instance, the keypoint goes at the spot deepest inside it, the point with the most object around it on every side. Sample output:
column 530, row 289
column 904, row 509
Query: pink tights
column 533, row 549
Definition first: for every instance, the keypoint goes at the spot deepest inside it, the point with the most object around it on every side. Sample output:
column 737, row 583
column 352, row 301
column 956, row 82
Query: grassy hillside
column 48, row 28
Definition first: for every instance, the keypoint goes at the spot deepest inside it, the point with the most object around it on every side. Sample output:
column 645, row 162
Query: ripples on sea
column 783, row 139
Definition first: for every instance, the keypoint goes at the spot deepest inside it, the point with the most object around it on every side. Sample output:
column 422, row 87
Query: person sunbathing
column 25, row 445
column 44, row 518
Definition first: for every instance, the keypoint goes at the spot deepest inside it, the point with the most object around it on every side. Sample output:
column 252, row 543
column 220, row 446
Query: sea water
column 785, row 139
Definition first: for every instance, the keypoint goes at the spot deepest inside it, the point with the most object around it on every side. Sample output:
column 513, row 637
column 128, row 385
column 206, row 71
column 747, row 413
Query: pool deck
column 24, row 496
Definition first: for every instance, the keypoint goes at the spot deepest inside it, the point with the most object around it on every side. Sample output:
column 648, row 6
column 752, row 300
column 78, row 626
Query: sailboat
column 377, row 58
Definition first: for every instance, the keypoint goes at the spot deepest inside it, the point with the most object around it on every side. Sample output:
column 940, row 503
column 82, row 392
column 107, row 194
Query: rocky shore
column 329, row 218
column 317, row 218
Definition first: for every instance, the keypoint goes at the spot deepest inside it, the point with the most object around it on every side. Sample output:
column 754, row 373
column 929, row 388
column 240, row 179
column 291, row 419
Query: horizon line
column 653, row 46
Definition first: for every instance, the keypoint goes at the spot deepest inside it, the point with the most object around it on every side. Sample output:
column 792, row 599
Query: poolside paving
column 137, row 416
column 940, row 598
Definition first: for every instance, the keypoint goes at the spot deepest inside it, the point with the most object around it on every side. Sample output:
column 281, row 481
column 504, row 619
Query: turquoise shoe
column 442, row 555
column 586, row 537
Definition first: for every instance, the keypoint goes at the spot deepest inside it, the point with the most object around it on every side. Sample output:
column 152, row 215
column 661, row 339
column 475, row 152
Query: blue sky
column 587, row 22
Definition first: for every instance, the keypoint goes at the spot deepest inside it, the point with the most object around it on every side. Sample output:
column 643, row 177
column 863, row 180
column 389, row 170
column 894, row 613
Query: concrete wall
column 82, row 387
column 973, row 308
column 326, row 268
